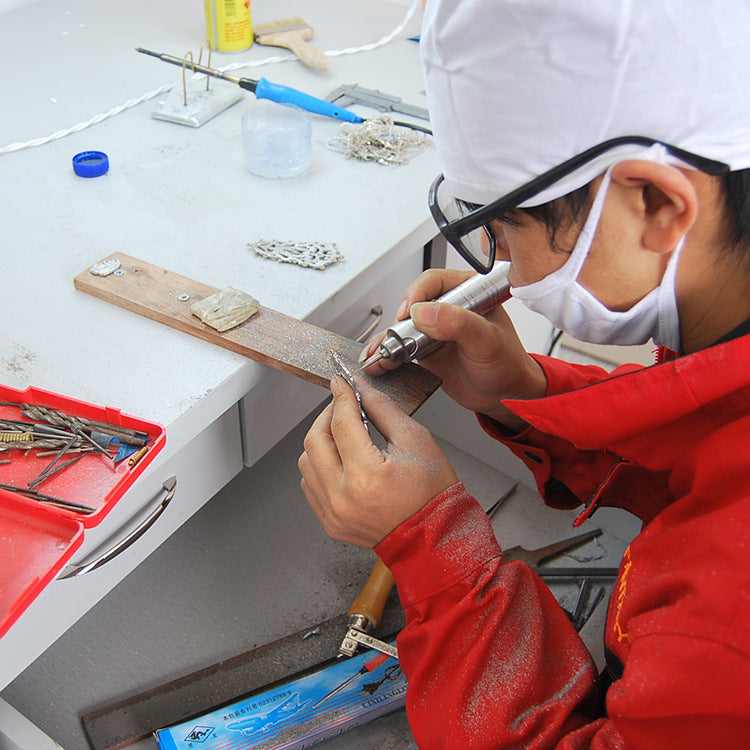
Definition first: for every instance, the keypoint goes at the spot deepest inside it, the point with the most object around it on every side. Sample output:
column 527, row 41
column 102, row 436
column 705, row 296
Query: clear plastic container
column 277, row 139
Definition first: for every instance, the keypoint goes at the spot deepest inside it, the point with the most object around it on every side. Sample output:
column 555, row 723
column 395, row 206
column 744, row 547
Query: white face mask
column 567, row 305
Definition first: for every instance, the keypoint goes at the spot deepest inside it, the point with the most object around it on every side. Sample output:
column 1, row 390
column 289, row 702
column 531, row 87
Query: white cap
column 516, row 87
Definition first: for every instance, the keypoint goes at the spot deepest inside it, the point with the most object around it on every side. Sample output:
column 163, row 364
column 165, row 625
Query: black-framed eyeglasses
column 467, row 226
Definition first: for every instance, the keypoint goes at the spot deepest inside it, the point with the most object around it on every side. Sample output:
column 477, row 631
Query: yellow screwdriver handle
column 372, row 598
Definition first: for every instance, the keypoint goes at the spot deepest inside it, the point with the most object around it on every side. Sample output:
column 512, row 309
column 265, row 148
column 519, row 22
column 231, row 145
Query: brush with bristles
column 292, row 34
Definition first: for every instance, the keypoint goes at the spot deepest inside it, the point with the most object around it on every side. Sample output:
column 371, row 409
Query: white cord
column 234, row 66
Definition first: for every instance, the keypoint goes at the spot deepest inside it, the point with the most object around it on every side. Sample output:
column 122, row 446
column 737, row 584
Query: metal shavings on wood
column 316, row 255
column 225, row 309
column 379, row 139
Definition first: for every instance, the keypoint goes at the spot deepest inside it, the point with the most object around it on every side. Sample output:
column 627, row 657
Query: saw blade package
column 299, row 713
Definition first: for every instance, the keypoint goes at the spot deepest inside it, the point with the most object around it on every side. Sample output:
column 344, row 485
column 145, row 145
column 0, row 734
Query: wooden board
column 270, row 337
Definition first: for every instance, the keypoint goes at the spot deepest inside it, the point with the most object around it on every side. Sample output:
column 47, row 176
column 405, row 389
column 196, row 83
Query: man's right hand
column 482, row 361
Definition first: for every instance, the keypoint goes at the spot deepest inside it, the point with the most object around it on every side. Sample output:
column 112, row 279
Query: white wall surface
column 10, row 4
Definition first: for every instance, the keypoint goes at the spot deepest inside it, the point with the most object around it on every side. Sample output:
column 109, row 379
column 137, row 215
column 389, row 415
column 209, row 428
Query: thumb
column 444, row 322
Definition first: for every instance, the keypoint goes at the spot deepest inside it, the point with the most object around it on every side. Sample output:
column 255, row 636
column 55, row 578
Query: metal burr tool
column 404, row 342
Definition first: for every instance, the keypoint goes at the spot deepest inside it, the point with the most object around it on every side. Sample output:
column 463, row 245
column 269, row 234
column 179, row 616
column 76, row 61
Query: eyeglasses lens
column 475, row 243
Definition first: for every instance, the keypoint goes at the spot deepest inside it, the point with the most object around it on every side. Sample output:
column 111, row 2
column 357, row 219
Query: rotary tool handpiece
column 404, row 342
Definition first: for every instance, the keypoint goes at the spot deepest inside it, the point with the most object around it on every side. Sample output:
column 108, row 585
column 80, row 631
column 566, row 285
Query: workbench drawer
column 201, row 468
column 280, row 401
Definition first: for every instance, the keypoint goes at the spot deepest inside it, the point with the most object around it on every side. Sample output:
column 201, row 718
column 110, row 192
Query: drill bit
column 372, row 359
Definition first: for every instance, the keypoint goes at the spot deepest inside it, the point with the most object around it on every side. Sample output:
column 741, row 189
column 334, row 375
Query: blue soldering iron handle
column 285, row 95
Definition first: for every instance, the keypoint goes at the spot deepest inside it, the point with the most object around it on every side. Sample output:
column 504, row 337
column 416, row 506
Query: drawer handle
column 168, row 487
column 377, row 311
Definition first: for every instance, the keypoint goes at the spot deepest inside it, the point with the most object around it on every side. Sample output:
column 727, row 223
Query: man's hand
column 482, row 361
column 359, row 492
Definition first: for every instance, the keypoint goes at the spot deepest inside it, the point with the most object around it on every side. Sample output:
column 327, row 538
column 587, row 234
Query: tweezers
column 341, row 369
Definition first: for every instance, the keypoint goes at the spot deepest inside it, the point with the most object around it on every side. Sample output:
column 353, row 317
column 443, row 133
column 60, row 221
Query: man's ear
column 664, row 198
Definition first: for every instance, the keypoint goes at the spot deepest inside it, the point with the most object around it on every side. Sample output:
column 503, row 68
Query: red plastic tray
column 36, row 539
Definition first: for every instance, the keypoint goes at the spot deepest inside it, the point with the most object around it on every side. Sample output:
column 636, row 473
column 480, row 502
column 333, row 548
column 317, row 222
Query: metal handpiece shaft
column 404, row 342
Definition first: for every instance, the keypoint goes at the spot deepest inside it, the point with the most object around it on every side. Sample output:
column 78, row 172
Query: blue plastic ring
column 90, row 164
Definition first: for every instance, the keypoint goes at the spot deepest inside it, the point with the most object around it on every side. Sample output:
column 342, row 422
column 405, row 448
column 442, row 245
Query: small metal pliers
column 340, row 368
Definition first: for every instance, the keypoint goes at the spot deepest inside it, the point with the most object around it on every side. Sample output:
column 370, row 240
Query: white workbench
column 182, row 199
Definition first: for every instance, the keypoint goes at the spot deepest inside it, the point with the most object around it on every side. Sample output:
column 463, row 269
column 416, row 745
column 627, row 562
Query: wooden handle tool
column 367, row 609
column 371, row 600
column 292, row 34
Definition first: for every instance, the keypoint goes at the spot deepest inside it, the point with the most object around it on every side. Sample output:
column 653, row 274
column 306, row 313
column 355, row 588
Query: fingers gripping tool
column 482, row 293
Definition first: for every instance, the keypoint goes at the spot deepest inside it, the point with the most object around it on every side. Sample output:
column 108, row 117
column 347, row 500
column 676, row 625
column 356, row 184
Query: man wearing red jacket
column 598, row 149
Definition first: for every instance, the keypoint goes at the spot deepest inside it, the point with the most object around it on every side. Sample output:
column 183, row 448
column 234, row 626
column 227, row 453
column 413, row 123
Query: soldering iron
column 264, row 89
column 404, row 342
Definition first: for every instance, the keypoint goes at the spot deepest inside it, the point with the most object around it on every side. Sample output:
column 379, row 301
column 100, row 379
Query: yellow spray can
column 228, row 24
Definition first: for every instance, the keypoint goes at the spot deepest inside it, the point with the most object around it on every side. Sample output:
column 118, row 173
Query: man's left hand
column 359, row 492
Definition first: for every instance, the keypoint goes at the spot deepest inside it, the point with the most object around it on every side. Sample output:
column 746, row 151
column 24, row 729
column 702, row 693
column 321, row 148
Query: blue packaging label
column 300, row 713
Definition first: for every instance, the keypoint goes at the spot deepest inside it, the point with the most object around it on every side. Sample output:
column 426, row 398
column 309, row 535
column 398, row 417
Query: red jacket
column 491, row 658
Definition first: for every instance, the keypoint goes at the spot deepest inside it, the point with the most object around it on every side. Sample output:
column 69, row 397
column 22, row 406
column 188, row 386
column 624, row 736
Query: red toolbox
column 42, row 525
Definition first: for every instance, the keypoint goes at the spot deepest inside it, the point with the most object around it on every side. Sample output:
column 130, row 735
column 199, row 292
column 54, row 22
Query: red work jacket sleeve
column 565, row 476
column 491, row 658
